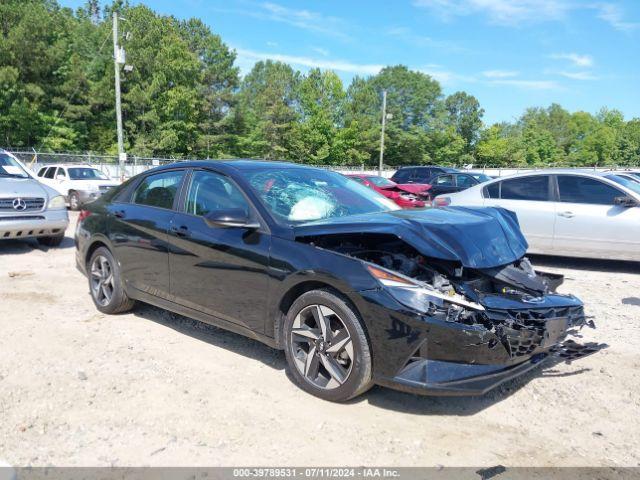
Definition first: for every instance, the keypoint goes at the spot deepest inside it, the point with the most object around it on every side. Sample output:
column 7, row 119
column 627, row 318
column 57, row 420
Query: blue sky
column 510, row 54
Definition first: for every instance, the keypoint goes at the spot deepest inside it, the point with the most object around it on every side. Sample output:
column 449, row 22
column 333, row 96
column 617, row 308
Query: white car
column 29, row 209
column 79, row 184
column 566, row 212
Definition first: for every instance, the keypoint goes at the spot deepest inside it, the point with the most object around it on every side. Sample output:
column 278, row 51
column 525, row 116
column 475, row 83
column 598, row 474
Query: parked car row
column 415, row 187
column 354, row 289
column 566, row 212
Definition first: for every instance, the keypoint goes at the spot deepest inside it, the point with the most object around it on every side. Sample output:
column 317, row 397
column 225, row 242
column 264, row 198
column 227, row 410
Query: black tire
column 358, row 378
column 74, row 201
column 51, row 241
column 118, row 302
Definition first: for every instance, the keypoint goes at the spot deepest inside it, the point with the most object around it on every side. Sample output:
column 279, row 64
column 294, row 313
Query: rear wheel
column 54, row 241
column 105, row 284
column 326, row 347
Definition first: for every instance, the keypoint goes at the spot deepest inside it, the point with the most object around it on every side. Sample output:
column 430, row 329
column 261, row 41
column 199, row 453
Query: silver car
column 29, row 209
column 570, row 213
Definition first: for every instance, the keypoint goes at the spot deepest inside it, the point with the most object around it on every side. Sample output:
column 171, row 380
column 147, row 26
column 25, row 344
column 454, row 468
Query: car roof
column 559, row 171
column 433, row 167
column 237, row 164
column 67, row 165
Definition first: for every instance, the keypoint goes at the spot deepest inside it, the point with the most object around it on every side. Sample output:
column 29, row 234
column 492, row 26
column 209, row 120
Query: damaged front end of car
column 469, row 323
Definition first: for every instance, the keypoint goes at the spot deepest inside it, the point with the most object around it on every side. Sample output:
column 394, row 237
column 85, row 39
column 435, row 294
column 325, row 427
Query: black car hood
column 476, row 237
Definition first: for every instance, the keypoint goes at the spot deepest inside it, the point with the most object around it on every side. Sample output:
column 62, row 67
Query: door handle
column 181, row 231
column 119, row 213
column 567, row 214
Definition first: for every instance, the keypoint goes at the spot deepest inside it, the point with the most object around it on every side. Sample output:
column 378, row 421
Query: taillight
column 441, row 201
column 83, row 214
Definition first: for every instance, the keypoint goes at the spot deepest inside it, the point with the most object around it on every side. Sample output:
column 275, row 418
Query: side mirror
column 230, row 218
column 625, row 202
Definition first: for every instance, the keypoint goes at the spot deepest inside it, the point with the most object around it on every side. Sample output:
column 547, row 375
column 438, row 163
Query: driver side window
column 210, row 191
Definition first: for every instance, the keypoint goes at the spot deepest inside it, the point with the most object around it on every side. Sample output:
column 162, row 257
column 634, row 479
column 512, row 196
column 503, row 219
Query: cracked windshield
column 296, row 196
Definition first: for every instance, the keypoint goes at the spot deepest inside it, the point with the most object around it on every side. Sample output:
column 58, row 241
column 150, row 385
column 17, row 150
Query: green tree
column 465, row 115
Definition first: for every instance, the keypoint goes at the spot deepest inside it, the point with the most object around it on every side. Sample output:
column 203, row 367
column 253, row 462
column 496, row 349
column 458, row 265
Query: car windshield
column 298, row 195
column 626, row 182
column 10, row 168
column 481, row 177
column 86, row 174
column 380, row 181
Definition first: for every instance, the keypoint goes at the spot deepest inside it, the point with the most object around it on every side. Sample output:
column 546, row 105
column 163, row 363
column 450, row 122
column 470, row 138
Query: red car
column 407, row 195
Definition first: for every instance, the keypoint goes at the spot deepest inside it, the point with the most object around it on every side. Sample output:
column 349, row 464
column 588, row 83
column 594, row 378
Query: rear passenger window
column 535, row 188
column 158, row 190
column 465, row 181
column 492, row 191
column 41, row 171
column 402, row 175
column 50, row 172
column 575, row 189
column 444, row 180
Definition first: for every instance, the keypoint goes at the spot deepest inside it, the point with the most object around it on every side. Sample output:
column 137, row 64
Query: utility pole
column 384, row 119
column 118, row 59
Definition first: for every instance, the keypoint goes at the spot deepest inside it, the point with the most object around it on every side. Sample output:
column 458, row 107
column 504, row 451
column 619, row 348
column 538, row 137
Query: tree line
column 186, row 98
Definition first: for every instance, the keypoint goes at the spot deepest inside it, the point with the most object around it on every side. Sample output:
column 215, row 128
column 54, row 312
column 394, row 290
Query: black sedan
column 356, row 291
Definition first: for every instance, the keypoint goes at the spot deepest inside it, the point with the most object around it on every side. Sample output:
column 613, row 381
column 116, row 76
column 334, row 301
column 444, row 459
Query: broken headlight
column 420, row 296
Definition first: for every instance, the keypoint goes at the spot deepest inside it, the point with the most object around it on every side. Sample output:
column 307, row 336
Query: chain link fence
column 134, row 165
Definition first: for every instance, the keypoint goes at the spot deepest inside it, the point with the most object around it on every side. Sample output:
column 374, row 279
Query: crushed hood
column 416, row 188
column 476, row 237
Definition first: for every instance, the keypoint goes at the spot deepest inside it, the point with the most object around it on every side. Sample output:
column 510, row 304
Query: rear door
column 221, row 271
column 139, row 231
column 589, row 222
column 531, row 198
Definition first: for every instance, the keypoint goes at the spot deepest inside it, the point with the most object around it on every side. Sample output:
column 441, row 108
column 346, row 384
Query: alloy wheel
column 321, row 346
column 102, row 286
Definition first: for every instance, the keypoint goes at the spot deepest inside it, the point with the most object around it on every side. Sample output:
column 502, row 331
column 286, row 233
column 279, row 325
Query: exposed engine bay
column 513, row 301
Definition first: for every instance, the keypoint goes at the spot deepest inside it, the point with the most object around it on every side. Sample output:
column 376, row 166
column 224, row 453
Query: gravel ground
column 152, row 388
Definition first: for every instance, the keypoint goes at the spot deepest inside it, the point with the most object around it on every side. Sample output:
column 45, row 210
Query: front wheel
column 105, row 284
column 326, row 347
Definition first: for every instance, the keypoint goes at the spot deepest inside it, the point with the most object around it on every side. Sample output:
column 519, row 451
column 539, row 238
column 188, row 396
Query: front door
column 589, row 222
column 221, row 271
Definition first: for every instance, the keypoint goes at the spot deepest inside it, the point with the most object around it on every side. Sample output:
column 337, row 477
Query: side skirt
column 200, row 316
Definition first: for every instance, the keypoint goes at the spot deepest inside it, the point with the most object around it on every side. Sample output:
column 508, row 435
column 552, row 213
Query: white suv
column 80, row 184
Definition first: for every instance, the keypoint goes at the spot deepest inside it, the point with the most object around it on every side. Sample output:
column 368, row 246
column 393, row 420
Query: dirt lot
column 152, row 388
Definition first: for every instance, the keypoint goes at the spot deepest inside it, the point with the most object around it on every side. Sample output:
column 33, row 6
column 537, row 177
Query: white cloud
column 246, row 58
column 516, row 12
column 528, row 84
column 613, row 15
column 577, row 60
column 500, row 73
column 578, row 75
column 407, row 35
column 301, row 18
column 503, row 12
column 305, row 19
column 272, row 44
column 322, row 51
